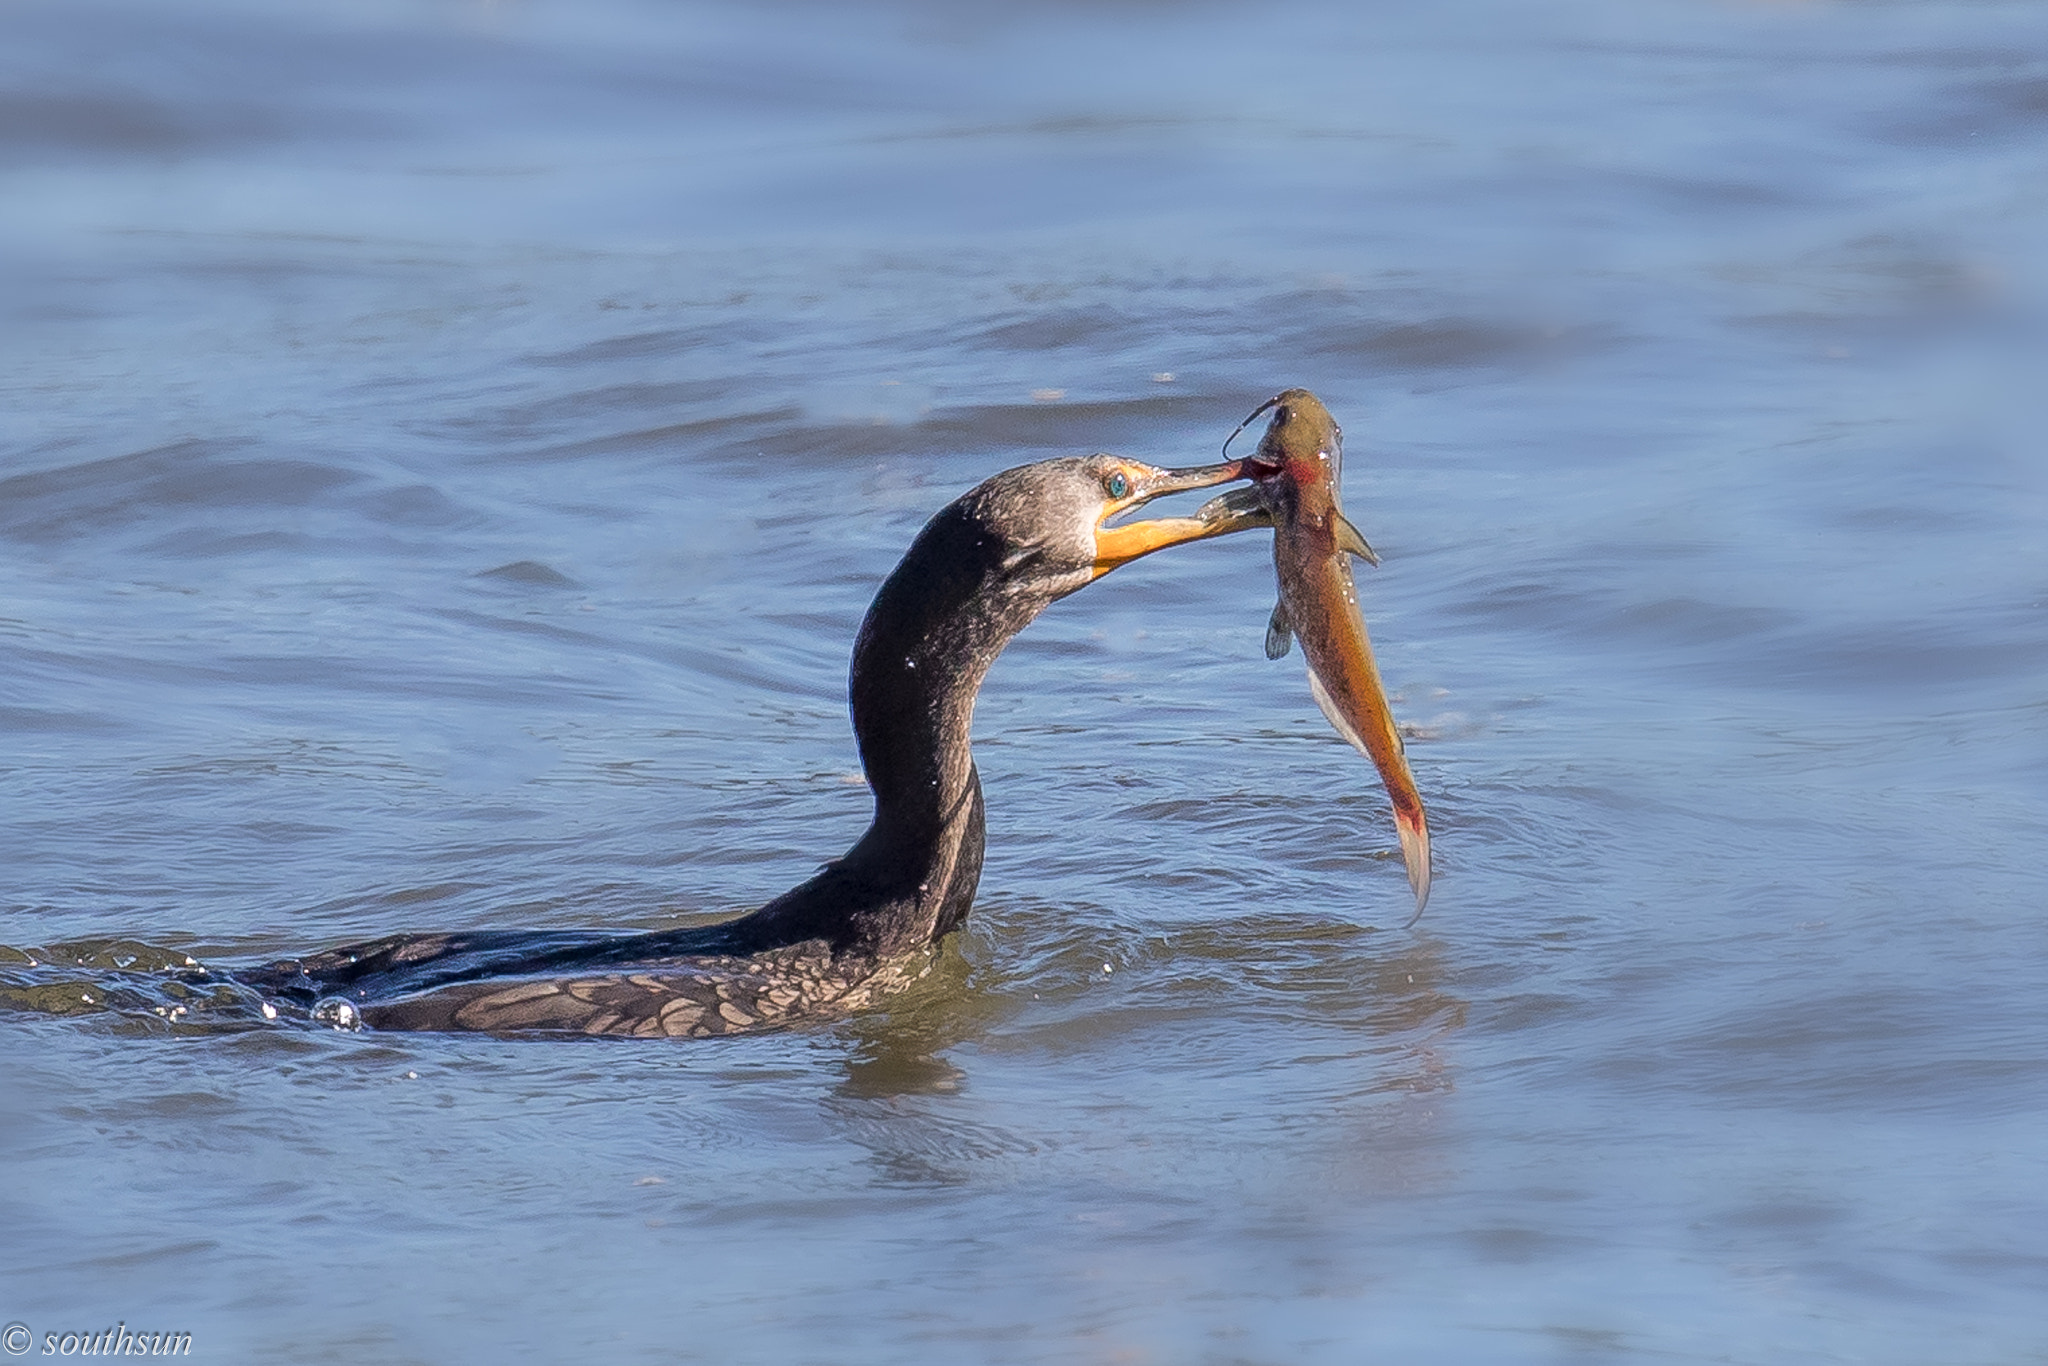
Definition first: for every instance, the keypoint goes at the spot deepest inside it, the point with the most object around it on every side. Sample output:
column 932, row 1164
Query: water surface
column 446, row 451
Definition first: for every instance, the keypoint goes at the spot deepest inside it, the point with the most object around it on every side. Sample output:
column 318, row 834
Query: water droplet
column 337, row 1013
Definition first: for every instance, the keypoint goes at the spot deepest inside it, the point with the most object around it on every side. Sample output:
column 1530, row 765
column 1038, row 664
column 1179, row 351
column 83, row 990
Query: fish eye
column 1116, row 485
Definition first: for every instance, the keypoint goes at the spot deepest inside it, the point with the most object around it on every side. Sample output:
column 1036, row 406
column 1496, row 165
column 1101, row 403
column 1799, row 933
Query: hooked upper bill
column 1119, row 545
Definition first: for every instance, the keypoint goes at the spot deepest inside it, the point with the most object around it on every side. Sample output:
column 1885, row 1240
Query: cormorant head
column 1058, row 521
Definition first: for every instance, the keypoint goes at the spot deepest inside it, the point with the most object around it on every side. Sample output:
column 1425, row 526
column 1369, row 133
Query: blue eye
column 1117, row 485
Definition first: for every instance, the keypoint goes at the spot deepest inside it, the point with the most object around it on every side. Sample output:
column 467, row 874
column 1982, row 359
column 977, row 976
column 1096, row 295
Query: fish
column 1294, row 489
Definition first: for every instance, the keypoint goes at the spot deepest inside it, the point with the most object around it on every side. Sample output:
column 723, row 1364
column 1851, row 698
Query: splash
column 125, row 978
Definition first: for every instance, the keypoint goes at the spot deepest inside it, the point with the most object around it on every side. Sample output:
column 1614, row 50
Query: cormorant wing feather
column 689, row 1004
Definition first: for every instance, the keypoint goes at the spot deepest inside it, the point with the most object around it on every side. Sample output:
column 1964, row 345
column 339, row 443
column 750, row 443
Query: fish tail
column 1414, row 831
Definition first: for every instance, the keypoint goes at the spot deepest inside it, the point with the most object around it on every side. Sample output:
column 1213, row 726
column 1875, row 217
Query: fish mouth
column 1119, row 545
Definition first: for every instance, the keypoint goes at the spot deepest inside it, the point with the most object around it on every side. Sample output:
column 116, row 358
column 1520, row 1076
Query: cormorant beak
column 1119, row 545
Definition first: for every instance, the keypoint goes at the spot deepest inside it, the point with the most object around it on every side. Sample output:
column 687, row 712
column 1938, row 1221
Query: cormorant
column 978, row 573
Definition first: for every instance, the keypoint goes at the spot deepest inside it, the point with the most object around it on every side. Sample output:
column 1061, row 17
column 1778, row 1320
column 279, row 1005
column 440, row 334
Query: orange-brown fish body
column 1296, row 473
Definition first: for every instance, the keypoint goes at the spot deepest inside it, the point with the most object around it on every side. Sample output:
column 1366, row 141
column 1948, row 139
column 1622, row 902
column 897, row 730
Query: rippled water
column 446, row 451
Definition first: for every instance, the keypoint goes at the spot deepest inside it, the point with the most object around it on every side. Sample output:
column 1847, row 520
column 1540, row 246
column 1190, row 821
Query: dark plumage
column 977, row 574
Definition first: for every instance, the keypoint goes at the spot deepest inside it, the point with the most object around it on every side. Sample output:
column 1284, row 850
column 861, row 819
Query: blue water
column 446, row 451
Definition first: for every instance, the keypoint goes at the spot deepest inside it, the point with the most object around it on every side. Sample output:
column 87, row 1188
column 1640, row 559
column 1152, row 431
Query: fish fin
column 1350, row 538
column 1279, row 632
column 1415, row 853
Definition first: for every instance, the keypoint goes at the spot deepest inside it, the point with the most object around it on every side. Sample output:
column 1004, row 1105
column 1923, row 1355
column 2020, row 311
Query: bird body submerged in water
column 977, row 574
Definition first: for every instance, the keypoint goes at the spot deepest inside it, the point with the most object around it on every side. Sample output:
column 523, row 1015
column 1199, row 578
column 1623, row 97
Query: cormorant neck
column 938, row 622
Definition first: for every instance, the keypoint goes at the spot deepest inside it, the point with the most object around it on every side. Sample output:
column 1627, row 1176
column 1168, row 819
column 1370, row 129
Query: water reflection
column 1369, row 1016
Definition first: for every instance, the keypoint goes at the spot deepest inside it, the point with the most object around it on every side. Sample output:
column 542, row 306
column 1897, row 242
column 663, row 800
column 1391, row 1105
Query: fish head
column 1303, row 444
